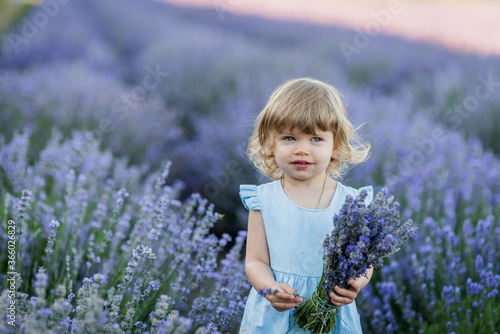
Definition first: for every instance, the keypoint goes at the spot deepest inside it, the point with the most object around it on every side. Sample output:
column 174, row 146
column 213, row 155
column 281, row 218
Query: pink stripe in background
column 471, row 26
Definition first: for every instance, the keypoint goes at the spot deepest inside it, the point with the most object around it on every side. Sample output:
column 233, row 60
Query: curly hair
column 306, row 104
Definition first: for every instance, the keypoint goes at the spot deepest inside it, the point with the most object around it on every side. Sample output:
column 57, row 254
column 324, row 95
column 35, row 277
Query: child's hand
column 345, row 296
column 284, row 301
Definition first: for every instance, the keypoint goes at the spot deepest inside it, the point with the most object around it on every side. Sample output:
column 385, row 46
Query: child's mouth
column 301, row 164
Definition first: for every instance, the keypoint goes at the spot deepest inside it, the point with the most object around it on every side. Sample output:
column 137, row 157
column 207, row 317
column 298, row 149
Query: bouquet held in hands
column 361, row 238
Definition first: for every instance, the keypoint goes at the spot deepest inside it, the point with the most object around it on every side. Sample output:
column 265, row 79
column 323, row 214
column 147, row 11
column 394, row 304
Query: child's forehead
column 299, row 131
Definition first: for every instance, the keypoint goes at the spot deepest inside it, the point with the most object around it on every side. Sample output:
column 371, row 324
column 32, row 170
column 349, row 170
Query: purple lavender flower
column 54, row 224
column 265, row 292
column 155, row 285
column 23, row 203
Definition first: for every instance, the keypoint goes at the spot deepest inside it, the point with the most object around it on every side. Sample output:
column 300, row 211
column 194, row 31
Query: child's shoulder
column 253, row 195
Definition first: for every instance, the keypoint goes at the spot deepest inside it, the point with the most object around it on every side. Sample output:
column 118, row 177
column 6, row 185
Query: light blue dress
column 295, row 238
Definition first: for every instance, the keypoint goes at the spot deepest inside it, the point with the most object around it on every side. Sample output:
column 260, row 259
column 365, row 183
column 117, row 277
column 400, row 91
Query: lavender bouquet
column 361, row 238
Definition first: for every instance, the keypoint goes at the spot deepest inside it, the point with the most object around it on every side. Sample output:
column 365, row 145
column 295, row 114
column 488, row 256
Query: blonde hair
column 306, row 104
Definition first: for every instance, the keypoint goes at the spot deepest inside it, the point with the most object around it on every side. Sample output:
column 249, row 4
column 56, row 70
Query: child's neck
column 314, row 194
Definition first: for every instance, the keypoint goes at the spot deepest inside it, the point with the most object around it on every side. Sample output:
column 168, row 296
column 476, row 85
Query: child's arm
column 258, row 268
column 347, row 296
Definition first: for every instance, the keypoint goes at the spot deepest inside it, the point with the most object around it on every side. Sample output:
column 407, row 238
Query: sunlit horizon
column 467, row 26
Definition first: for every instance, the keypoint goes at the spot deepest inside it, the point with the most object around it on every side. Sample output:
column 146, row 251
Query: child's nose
column 301, row 149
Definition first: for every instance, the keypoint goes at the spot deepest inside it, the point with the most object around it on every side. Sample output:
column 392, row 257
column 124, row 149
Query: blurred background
column 183, row 80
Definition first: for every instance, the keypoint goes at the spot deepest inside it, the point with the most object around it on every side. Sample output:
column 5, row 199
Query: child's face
column 303, row 156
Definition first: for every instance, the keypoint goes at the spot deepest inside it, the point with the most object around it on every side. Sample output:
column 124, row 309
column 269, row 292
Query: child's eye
column 288, row 138
column 316, row 139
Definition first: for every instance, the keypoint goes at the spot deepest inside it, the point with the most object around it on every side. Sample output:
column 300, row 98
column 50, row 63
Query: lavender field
column 123, row 131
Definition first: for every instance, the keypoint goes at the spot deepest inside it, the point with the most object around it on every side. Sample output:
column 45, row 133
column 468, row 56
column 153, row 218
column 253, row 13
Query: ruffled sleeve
column 249, row 196
column 369, row 194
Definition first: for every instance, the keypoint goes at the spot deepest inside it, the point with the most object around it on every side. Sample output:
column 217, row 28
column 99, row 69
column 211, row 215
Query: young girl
column 303, row 140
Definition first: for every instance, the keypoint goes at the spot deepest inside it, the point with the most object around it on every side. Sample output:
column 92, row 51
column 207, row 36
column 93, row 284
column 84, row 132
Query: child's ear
column 334, row 153
column 271, row 149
